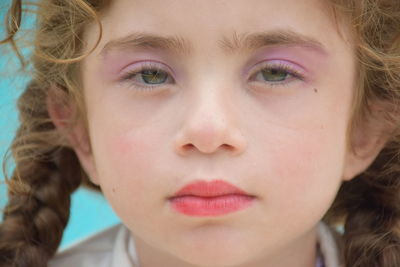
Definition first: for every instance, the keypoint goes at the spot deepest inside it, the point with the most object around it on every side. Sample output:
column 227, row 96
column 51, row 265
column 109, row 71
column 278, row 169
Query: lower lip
column 211, row 206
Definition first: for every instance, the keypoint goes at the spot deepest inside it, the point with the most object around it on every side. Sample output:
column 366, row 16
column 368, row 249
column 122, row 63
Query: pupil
column 154, row 76
column 274, row 75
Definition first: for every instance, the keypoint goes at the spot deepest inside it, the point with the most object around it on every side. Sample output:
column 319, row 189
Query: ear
column 62, row 111
column 367, row 139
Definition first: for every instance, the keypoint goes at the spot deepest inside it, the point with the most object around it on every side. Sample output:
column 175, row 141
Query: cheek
column 127, row 163
column 304, row 171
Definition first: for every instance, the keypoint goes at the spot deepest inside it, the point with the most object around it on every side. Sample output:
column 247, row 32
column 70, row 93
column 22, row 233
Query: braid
column 47, row 173
column 371, row 205
column 46, row 170
column 372, row 229
column 39, row 192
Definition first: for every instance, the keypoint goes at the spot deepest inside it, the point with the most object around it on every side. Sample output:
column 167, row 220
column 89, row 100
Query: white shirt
column 114, row 247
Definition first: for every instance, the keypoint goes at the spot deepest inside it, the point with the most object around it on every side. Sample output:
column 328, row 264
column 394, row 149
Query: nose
column 210, row 126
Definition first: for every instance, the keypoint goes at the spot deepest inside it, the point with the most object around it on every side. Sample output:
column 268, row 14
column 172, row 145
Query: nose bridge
column 209, row 105
column 209, row 114
column 210, row 123
column 211, row 94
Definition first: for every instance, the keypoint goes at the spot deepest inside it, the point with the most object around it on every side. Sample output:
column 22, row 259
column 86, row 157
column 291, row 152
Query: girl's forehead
column 226, row 22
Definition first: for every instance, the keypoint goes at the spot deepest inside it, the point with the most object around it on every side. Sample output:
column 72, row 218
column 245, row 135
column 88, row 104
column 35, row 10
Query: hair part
column 47, row 170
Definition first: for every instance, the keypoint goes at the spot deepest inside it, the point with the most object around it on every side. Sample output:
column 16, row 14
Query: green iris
column 154, row 76
column 274, row 75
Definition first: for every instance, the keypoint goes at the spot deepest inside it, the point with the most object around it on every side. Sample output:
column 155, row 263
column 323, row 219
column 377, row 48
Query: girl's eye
column 148, row 77
column 153, row 76
column 274, row 75
column 277, row 73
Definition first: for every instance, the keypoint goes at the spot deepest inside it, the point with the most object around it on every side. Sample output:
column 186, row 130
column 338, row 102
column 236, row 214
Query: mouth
column 214, row 198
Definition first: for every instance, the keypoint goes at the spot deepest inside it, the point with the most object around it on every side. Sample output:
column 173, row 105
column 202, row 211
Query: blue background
column 89, row 212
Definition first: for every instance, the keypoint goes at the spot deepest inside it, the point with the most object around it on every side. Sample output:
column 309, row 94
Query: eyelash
column 293, row 74
column 147, row 66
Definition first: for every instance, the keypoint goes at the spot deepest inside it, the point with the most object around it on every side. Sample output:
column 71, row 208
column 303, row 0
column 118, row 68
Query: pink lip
column 213, row 198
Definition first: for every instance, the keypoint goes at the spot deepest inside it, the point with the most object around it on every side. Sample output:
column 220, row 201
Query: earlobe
column 357, row 162
column 62, row 112
column 367, row 140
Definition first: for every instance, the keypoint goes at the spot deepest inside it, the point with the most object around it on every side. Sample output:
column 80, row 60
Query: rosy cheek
column 299, row 157
column 128, row 148
column 131, row 152
column 122, row 163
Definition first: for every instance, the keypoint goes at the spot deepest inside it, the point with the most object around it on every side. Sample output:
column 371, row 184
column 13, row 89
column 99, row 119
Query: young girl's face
column 256, row 93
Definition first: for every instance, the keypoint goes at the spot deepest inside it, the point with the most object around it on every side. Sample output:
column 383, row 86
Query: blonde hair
column 47, row 170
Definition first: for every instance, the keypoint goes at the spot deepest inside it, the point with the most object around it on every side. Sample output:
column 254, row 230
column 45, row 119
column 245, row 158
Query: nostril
column 227, row 147
column 188, row 146
column 189, row 141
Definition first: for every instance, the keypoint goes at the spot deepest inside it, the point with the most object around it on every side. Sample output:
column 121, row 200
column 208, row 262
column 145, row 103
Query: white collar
column 124, row 252
column 328, row 246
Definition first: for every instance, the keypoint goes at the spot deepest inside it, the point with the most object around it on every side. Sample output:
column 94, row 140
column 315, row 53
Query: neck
column 301, row 253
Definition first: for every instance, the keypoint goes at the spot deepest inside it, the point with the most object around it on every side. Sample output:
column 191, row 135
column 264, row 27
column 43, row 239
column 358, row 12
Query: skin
column 285, row 143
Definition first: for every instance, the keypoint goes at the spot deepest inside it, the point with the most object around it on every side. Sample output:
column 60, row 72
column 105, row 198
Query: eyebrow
column 237, row 42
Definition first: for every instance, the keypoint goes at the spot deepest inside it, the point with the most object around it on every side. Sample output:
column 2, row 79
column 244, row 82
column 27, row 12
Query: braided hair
column 47, row 170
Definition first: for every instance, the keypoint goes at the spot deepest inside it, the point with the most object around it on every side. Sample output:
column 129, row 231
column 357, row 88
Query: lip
column 215, row 198
column 209, row 189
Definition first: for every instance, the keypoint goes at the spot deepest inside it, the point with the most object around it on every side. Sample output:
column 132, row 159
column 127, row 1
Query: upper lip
column 209, row 189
